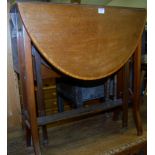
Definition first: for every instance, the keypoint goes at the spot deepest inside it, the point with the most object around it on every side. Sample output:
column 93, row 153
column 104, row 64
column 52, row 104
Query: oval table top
column 83, row 41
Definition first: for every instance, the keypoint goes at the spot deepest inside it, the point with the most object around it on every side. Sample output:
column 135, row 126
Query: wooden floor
column 97, row 135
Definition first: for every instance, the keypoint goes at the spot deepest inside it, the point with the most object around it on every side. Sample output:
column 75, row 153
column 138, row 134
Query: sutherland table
column 80, row 41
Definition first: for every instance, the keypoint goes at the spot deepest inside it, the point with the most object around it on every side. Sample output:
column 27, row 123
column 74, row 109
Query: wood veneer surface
column 79, row 41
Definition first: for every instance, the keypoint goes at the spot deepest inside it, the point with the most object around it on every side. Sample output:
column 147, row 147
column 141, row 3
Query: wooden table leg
column 30, row 92
column 40, row 100
column 24, row 106
column 119, row 92
column 119, row 83
column 136, row 99
column 126, row 80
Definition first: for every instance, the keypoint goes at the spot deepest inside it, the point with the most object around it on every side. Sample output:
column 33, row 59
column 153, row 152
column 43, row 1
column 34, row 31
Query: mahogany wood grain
column 79, row 112
column 83, row 44
column 125, row 94
column 39, row 93
column 119, row 83
column 136, row 99
column 48, row 73
column 30, row 92
column 98, row 46
column 24, row 106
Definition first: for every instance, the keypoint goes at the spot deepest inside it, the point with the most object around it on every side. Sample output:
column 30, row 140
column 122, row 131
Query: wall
column 99, row 2
column 13, row 103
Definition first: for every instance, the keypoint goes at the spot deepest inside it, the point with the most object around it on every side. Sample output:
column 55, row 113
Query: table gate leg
column 136, row 104
column 29, row 80
column 40, row 100
column 24, row 105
